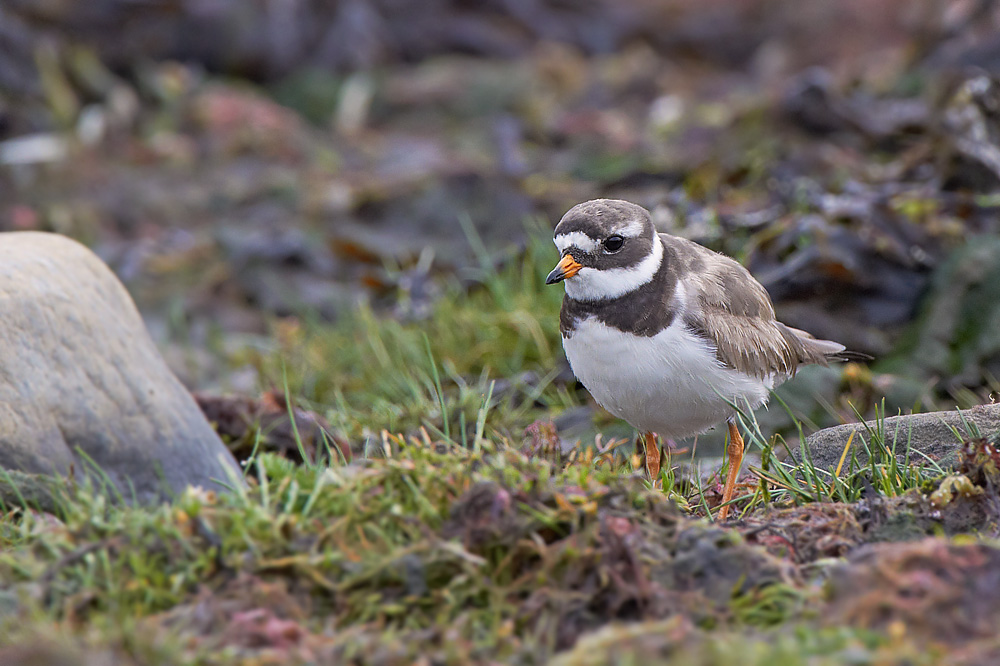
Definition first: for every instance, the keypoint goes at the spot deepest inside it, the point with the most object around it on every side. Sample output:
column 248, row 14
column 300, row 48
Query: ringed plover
column 665, row 333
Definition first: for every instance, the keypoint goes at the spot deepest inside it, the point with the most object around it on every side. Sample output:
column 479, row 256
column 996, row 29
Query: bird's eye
column 613, row 243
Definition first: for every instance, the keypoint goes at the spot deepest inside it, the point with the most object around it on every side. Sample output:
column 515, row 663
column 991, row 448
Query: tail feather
column 828, row 349
column 848, row 355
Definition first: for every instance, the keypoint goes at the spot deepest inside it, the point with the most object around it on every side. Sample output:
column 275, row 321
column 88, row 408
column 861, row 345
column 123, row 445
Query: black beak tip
column 555, row 276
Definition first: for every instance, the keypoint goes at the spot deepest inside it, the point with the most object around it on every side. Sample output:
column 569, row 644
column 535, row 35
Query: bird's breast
column 671, row 383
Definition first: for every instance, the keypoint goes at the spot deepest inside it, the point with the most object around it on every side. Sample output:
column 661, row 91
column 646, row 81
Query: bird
column 667, row 334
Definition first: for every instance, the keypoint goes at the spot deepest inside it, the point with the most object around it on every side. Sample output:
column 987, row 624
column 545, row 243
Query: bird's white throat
column 591, row 284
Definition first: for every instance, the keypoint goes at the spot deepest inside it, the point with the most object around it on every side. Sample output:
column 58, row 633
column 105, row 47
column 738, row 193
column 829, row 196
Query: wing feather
column 733, row 311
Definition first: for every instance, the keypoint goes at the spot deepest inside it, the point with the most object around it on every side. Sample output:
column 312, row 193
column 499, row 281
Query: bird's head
column 607, row 248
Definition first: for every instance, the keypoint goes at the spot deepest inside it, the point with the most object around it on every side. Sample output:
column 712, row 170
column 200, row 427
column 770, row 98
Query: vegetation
column 471, row 505
column 458, row 538
column 380, row 373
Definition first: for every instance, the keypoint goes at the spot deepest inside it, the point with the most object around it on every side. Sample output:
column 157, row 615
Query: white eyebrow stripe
column 575, row 239
column 632, row 230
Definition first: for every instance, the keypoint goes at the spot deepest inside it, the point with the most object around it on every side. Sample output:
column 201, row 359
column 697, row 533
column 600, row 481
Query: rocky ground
column 350, row 225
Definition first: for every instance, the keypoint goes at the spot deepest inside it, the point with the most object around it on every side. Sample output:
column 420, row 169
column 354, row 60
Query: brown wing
column 728, row 307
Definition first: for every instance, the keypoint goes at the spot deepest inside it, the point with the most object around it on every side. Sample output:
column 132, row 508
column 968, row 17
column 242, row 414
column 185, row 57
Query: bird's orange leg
column 651, row 455
column 735, row 452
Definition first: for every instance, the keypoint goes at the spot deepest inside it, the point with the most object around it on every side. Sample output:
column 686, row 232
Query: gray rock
column 83, row 385
column 930, row 434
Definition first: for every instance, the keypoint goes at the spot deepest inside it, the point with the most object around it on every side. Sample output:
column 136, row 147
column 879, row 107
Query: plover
column 666, row 333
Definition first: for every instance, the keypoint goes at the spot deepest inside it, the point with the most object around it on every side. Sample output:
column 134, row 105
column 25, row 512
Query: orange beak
column 566, row 268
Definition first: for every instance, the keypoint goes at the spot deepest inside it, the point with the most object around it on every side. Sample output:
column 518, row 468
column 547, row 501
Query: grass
column 492, row 341
column 445, row 541
column 467, row 556
column 380, row 373
column 513, row 554
column 793, row 479
column 418, row 541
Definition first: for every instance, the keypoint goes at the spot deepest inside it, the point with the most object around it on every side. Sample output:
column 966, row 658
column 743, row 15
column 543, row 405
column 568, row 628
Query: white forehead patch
column 575, row 239
column 591, row 284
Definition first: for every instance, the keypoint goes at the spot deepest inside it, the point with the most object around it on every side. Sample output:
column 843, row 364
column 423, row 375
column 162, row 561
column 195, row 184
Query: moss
column 425, row 539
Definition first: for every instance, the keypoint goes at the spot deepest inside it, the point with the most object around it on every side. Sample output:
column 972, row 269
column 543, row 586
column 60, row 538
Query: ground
column 365, row 250
column 468, row 541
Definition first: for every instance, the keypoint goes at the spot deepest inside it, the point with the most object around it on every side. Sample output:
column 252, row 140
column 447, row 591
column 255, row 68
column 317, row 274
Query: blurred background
column 255, row 168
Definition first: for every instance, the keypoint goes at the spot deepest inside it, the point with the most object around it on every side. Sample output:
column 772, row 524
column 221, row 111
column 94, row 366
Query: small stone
column 82, row 384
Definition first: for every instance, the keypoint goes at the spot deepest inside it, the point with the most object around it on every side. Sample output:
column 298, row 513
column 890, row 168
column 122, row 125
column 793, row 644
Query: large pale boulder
column 83, row 385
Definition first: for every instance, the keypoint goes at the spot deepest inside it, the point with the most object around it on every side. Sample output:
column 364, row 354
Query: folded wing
column 733, row 311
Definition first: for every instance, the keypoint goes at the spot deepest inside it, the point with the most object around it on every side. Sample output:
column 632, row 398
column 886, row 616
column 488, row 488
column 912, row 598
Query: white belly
column 671, row 384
